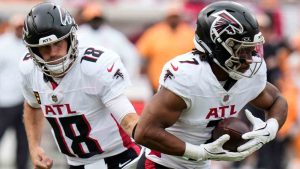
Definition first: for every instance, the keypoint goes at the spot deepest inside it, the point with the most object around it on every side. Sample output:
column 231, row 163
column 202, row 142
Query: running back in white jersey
column 207, row 101
column 84, row 130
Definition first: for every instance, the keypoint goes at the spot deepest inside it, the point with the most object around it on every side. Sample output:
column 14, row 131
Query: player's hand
column 39, row 159
column 262, row 132
column 215, row 151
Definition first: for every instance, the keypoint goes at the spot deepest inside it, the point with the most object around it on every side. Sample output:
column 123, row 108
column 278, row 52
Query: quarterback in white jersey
column 80, row 93
column 216, row 80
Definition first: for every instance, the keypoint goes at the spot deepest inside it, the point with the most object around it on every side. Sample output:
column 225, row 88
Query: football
column 235, row 128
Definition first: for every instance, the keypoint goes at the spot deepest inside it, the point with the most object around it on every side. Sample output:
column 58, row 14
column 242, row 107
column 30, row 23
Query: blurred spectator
column 94, row 30
column 11, row 99
column 192, row 8
column 271, row 47
column 3, row 24
column 163, row 41
column 291, row 69
column 272, row 7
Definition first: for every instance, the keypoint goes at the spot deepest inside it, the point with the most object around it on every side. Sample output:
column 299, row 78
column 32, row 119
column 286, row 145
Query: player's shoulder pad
column 181, row 74
column 262, row 71
column 95, row 60
column 182, row 69
column 260, row 76
column 26, row 64
column 184, row 64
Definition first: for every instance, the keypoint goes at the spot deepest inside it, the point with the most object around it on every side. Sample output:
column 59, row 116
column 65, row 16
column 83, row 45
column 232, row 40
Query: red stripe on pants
column 149, row 164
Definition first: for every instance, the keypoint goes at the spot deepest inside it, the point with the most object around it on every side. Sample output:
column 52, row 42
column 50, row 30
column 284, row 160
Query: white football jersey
column 84, row 130
column 207, row 102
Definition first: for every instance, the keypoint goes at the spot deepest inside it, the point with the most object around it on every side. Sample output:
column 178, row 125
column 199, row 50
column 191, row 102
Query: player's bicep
column 267, row 97
column 32, row 115
column 164, row 108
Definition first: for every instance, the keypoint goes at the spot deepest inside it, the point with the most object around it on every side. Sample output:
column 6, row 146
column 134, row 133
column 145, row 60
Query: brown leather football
column 233, row 126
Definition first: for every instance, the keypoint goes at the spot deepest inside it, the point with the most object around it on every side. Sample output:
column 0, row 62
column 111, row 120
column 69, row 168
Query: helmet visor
column 246, row 57
column 247, row 51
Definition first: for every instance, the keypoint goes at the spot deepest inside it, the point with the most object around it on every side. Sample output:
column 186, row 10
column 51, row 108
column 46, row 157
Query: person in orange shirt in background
column 163, row 41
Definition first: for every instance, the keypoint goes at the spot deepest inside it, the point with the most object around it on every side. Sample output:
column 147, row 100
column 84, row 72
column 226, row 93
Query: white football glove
column 262, row 132
column 215, row 151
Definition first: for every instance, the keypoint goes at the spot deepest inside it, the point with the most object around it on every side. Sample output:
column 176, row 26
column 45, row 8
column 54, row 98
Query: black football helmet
column 227, row 30
column 45, row 24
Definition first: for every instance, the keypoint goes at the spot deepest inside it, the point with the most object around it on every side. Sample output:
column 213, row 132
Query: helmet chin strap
column 232, row 74
column 202, row 47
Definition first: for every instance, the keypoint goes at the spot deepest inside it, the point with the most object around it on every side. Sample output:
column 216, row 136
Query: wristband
column 193, row 152
column 274, row 125
column 133, row 131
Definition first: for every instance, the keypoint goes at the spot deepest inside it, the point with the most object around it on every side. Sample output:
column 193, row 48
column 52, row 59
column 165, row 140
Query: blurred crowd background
column 147, row 33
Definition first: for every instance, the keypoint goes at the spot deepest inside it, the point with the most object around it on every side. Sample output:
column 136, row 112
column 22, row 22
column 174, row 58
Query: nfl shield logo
column 54, row 98
column 226, row 98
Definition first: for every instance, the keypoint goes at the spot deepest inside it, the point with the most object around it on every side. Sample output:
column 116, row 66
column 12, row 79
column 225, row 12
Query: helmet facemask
column 59, row 67
column 242, row 52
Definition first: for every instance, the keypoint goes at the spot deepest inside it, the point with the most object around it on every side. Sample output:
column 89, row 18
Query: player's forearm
column 278, row 110
column 33, row 122
column 159, row 140
column 128, row 122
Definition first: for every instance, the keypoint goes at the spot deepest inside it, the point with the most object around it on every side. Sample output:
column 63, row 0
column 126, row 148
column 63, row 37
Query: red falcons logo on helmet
column 224, row 22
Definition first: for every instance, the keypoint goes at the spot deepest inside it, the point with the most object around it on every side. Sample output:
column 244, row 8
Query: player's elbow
column 138, row 135
column 141, row 135
column 280, row 104
column 284, row 104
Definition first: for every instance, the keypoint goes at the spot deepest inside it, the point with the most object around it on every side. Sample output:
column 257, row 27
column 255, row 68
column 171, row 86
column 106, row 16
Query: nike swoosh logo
column 174, row 68
column 111, row 68
column 214, row 153
column 123, row 164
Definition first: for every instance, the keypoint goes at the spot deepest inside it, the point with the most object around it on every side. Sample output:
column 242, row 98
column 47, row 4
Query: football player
column 224, row 72
column 80, row 93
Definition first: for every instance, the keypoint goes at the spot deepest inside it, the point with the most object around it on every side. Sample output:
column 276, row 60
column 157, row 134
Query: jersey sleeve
column 108, row 75
column 120, row 107
column 177, row 77
column 259, row 80
column 26, row 67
